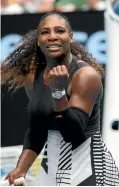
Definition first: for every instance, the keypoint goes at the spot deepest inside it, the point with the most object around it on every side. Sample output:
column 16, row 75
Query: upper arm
column 86, row 85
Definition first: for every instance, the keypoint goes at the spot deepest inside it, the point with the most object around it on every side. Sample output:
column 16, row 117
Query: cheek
column 41, row 43
column 42, row 39
column 67, row 43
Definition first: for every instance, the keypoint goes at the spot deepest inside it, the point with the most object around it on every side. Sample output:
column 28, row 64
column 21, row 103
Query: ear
column 71, row 36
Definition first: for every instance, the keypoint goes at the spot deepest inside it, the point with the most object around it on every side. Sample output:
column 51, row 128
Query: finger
column 51, row 73
column 11, row 179
column 59, row 70
column 64, row 69
column 6, row 177
column 55, row 71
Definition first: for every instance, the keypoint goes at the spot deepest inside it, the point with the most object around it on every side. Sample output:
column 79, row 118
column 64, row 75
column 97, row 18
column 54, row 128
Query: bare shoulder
column 87, row 78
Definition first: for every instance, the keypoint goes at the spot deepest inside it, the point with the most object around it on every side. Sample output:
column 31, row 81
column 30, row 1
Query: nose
column 52, row 37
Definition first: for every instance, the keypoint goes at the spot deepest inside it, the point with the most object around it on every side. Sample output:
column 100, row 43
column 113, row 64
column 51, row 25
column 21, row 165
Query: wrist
column 60, row 104
column 58, row 94
column 25, row 160
column 21, row 169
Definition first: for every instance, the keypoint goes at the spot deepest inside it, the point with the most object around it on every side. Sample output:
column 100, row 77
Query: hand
column 16, row 173
column 58, row 77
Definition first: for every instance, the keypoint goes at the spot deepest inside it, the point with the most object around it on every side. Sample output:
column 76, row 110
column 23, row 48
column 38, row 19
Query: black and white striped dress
column 89, row 164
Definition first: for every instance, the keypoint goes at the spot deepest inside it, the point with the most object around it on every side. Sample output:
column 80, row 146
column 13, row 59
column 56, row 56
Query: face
column 54, row 36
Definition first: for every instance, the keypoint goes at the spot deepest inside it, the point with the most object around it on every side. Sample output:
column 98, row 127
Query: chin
column 55, row 55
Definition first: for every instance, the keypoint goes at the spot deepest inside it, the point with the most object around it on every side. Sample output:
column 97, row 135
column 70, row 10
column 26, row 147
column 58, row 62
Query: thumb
column 11, row 179
column 6, row 177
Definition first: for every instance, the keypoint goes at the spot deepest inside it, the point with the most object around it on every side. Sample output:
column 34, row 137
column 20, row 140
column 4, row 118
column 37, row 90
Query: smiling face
column 54, row 36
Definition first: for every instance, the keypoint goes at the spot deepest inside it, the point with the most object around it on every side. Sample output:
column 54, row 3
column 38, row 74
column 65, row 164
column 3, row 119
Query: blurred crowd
column 42, row 6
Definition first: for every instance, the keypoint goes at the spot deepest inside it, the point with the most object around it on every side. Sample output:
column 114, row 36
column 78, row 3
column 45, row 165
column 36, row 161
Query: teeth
column 53, row 46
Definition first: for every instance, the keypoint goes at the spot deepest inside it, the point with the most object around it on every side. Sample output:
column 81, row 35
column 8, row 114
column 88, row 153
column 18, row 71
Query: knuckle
column 50, row 73
column 54, row 69
column 56, row 75
column 58, row 66
column 63, row 66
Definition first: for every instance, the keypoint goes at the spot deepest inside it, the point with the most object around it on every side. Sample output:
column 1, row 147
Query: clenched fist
column 14, row 176
column 58, row 77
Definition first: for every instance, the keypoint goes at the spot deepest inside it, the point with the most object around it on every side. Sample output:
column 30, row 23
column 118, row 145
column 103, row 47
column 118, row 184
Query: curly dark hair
column 27, row 56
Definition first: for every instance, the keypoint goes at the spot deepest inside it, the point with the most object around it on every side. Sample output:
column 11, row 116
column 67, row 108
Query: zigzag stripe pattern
column 63, row 176
column 105, row 169
column 44, row 163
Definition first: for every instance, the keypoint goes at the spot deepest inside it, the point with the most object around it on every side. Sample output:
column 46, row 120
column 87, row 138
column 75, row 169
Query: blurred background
column 95, row 24
column 40, row 6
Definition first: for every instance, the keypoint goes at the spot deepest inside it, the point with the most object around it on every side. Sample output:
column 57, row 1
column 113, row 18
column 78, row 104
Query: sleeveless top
column 42, row 106
column 89, row 163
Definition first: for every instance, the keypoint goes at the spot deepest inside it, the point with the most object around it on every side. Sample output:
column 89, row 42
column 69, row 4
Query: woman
column 66, row 95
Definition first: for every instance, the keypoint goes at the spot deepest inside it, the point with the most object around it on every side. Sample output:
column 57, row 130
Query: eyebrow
column 47, row 28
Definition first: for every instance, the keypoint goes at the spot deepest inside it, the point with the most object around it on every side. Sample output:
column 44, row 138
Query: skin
column 55, row 30
column 86, row 82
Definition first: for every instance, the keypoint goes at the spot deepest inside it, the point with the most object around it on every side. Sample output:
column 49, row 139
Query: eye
column 60, row 31
column 44, row 32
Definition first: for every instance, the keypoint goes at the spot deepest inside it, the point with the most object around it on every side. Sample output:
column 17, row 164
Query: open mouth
column 53, row 47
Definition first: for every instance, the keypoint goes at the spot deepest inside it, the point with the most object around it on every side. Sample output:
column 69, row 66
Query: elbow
column 67, row 139
column 76, row 138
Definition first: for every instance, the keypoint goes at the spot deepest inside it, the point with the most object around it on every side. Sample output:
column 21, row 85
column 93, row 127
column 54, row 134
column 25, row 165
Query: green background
column 78, row 3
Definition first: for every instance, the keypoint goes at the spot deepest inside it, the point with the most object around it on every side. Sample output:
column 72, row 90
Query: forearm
column 35, row 136
column 60, row 104
column 73, row 125
column 73, row 122
column 33, row 144
column 26, row 159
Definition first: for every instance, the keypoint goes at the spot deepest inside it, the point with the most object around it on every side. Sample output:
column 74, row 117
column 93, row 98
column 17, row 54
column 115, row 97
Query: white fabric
column 81, row 159
column 81, row 162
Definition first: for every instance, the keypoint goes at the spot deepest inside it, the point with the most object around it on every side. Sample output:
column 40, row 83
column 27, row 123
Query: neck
column 62, row 60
